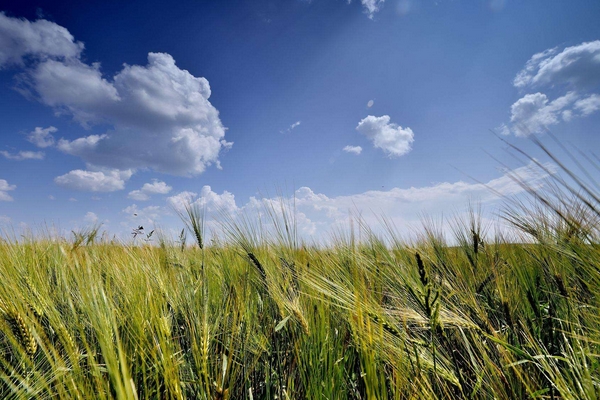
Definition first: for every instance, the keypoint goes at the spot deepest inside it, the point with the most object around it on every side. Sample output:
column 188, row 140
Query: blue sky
column 117, row 112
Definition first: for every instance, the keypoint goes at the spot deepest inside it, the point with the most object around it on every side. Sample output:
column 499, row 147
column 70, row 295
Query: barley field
column 261, row 314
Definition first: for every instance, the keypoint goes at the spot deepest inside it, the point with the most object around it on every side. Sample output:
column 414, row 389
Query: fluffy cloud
column 578, row 66
column 207, row 199
column 390, row 137
column 23, row 155
column 180, row 200
column 73, row 87
column 534, row 113
column 41, row 39
column 148, row 189
column 94, row 181
column 353, row 149
column 316, row 214
column 4, row 188
column 160, row 115
column 42, row 137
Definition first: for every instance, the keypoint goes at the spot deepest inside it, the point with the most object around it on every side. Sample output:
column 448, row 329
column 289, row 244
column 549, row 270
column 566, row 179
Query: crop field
column 266, row 316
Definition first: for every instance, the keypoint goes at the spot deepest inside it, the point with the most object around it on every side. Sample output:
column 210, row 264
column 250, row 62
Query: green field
column 262, row 316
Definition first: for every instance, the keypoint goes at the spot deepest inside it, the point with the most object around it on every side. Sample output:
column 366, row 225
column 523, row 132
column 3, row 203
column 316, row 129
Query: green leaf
column 281, row 324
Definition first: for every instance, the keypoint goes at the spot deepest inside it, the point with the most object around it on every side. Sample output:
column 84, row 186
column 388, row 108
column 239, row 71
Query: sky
column 118, row 113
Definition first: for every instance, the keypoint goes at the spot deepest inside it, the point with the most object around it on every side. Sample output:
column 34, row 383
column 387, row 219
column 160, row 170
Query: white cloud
column 291, row 127
column 23, row 155
column 316, row 214
column 94, row 181
column 5, row 220
column 4, row 188
column 41, row 39
column 207, row 199
column 391, row 138
column 156, row 187
column 138, row 195
column 588, row 105
column 73, row 87
column 578, row 66
column 370, row 103
column 160, row 114
column 503, row 130
column 90, row 218
column 353, row 149
column 42, row 137
column 534, row 113
column 371, row 6
column 87, row 143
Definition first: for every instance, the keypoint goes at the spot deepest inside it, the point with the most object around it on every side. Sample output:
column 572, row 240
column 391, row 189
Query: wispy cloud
column 42, row 137
column 291, row 127
column 23, row 155
column 353, row 149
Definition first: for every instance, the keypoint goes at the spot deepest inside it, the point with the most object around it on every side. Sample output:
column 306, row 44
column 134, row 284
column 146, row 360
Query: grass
column 265, row 316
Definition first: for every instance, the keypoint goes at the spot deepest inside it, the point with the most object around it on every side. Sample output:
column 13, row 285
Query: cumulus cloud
column 353, row 149
column 207, row 199
column 4, row 188
column 391, row 138
column 143, row 194
column 578, row 66
column 41, row 39
column 160, row 115
column 23, row 155
column 316, row 213
column 180, row 200
column 535, row 113
column 42, row 137
column 94, row 181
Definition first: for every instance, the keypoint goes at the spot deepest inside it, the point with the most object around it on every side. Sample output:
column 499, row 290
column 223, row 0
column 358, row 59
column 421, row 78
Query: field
column 266, row 316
